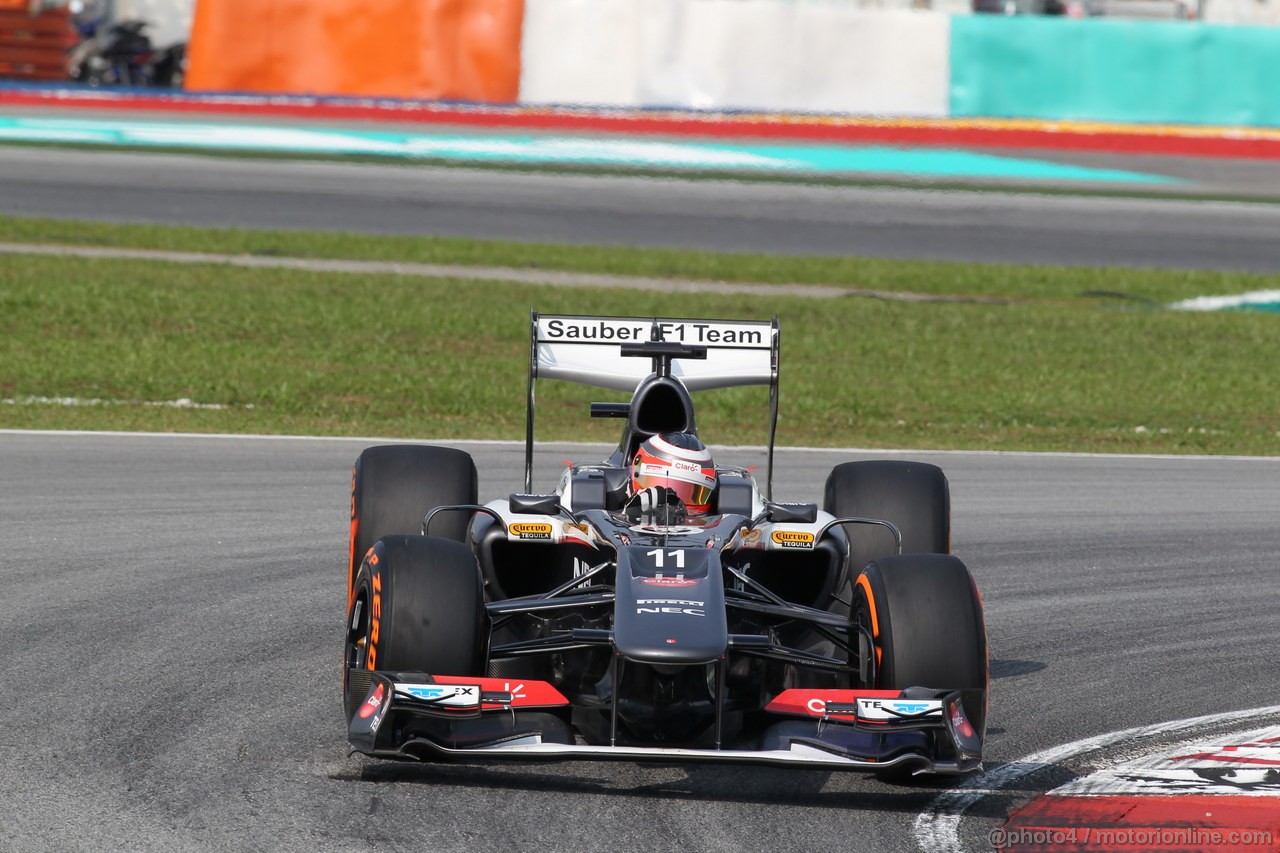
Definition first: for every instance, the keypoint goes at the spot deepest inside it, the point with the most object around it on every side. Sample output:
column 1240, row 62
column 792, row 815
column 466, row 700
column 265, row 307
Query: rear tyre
column 394, row 486
column 915, row 496
column 418, row 606
column 924, row 614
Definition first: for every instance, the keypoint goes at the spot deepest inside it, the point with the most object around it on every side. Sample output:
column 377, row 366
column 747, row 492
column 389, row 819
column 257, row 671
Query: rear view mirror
column 793, row 513
column 535, row 504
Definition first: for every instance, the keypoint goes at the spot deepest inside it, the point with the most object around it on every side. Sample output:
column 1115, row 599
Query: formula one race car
column 656, row 606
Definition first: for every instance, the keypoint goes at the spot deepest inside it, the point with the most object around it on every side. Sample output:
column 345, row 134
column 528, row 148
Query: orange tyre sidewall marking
column 871, row 608
column 871, row 605
column 375, row 614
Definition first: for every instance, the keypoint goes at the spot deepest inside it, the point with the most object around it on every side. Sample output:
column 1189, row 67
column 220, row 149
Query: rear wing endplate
column 588, row 350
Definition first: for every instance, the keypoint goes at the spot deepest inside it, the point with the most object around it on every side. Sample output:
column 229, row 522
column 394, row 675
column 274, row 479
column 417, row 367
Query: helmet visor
column 691, row 494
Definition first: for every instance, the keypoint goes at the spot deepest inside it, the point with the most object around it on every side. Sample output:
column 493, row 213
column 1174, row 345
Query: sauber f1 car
column 655, row 606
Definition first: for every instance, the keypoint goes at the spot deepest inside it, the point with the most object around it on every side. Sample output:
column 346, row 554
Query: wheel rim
column 864, row 658
column 355, row 651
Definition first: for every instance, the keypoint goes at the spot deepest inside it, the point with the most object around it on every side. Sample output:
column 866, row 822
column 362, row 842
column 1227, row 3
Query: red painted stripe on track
column 1233, row 759
column 1060, row 136
column 1153, row 823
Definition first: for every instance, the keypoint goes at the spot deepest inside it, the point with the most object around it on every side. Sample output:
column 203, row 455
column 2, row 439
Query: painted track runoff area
column 1010, row 134
column 522, row 149
column 1215, row 161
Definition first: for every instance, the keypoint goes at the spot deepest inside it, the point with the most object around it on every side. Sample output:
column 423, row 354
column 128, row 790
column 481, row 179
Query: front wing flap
column 419, row 716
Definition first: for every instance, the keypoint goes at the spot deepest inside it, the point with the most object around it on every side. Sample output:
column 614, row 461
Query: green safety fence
column 1094, row 69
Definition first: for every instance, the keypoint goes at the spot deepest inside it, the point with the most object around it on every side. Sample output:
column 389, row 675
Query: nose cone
column 669, row 605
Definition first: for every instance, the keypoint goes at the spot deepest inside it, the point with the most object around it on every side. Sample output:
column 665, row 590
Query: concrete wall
column 858, row 57
column 815, row 56
column 829, row 56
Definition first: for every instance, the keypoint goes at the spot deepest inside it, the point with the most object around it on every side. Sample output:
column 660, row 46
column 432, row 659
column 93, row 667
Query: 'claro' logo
column 793, row 538
column 530, row 530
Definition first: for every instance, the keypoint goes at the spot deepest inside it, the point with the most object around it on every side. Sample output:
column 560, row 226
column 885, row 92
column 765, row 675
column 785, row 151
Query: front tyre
column 924, row 615
column 418, row 606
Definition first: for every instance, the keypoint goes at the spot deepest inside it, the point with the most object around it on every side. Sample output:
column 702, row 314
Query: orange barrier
column 439, row 49
column 34, row 47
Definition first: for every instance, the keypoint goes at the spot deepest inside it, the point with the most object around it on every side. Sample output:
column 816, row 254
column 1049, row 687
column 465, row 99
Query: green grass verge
column 306, row 352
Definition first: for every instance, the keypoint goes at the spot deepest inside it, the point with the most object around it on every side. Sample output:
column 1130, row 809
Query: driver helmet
column 678, row 461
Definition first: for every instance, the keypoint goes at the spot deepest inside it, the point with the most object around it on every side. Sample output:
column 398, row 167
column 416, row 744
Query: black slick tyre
column 418, row 606
column 915, row 496
column 924, row 614
column 393, row 486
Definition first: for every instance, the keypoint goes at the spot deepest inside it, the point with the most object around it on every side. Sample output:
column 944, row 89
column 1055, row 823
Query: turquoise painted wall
column 1095, row 69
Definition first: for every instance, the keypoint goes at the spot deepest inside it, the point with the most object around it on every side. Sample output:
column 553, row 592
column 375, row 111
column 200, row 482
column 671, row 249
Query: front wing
column 418, row 716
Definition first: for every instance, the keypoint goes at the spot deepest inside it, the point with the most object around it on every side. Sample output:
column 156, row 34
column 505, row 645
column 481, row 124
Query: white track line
column 937, row 828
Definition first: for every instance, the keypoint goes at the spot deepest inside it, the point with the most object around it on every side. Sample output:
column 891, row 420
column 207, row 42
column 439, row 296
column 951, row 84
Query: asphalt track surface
column 728, row 215
column 173, row 624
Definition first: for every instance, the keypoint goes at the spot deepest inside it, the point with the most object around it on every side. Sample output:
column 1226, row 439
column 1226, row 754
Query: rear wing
column 589, row 350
